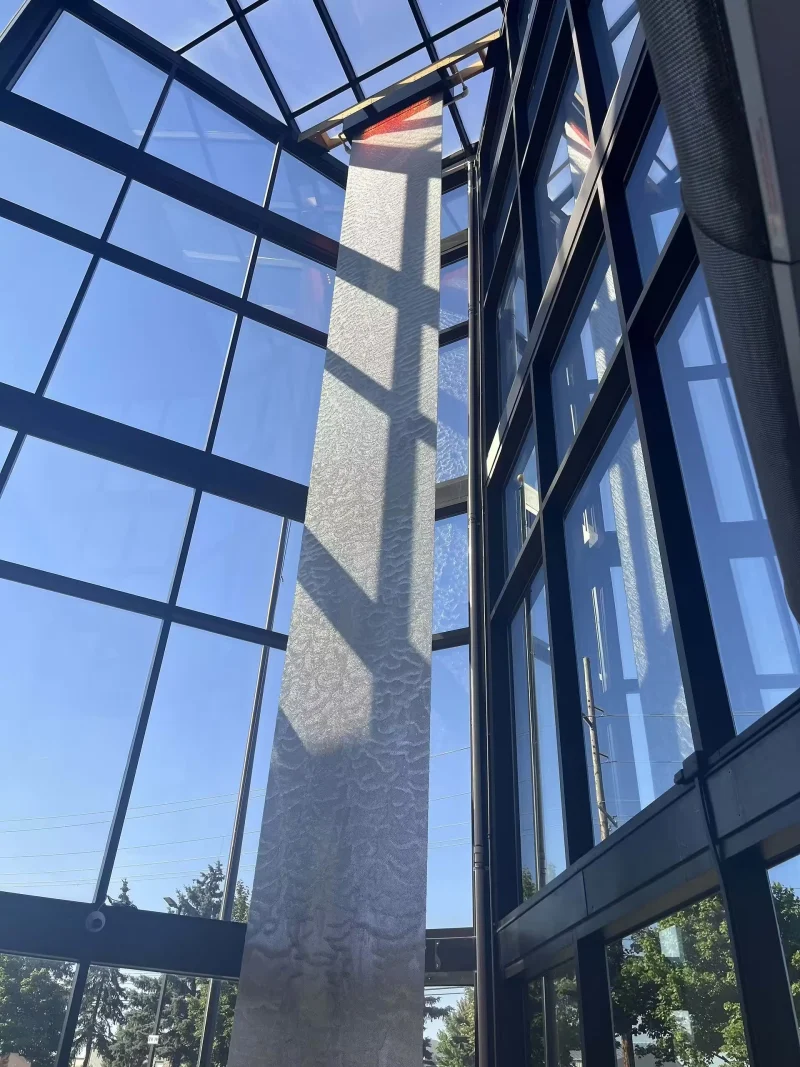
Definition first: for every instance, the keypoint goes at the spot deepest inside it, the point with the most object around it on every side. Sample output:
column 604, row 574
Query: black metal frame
column 735, row 808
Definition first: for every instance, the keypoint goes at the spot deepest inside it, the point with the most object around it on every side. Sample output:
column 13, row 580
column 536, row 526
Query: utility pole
column 591, row 720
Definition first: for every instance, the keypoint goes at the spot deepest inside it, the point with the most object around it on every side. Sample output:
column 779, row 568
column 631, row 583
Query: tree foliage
column 456, row 1045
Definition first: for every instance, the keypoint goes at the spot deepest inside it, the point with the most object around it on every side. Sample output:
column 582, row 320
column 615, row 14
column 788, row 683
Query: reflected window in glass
column 613, row 25
column 306, row 196
column 554, row 1032
column 636, row 723
column 453, row 295
column 521, row 498
column 181, row 237
column 455, row 211
column 168, row 353
column 86, row 518
column 450, row 575
column 286, row 282
column 757, row 635
column 451, row 412
column 653, row 193
column 673, row 991
column 512, row 324
column 78, row 712
column 269, row 414
column 564, row 165
column 81, row 73
column 785, row 882
column 196, row 136
column 586, row 353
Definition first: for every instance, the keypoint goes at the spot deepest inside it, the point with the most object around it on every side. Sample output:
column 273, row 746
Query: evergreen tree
column 129, row 1047
column 433, row 1010
column 33, row 1002
column 203, row 897
column 456, row 1045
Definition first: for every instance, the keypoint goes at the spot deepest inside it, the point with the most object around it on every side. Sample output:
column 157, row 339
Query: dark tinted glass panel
column 512, row 324
column 83, row 517
column 555, row 23
column 450, row 579
column 183, row 238
column 451, row 430
column 144, row 354
column 523, row 745
column 226, row 56
column 231, row 561
column 269, row 415
column 449, row 835
column 455, row 211
column 453, row 295
column 614, row 24
column 674, row 993
column 177, row 829
column 173, row 22
column 563, row 168
column 637, row 729
column 41, row 176
column 521, row 498
column 39, row 279
column 554, row 1036
column 373, row 34
column 292, row 285
column 198, row 137
column 654, row 193
column 34, row 997
column 586, row 352
column 305, row 196
column 757, row 634
column 87, row 76
column 72, row 678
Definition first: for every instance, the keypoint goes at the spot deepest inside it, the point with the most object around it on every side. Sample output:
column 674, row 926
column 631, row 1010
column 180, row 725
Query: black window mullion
column 263, row 66
column 339, row 48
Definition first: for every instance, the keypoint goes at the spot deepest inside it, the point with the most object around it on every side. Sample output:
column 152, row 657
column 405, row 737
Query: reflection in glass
column 286, row 282
column 512, row 324
column 673, row 991
column 231, row 561
column 144, row 354
column 34, row 998
column 757, row 635
column 637, row 727
column 199, row 137
column 455, row 211
column 181, row 811
column 785, row 881
column 32, row 265
column 451, row 428
column 613, row 25
column 449, row 834
column 87, row 76
column 48, row 179
column 654, row 193
column 226, row 56
column 86, row 518
column 585, row 353
column 372, row 34
column 453, row 298
column 554, row 1035
column 564, row 165
column 72, row 678
column 306, row 196
column 269, row 415
column 450, row 574
column 288, row 578
column 181, row 237
column 521, row 498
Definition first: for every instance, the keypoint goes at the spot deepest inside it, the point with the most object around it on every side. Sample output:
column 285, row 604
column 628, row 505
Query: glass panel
column 373, row 34
column 536, row 92
column 449, row 835
column 521, row 498
column 198, row 137
column 638, row 732
column 534, row 1009
column 785, row 879
column 758, row 637
column 586, row 353
column 473, row 107
column 181, row 237
column 226, row 56
column 173, row 22
column 327, row 110
column 86, row 518
column 453, row 304
column 654, row 193
column 231, row 561
column 450, row 575
column 303, row 73
column 451, row 142
column 177, row 830
column 395, row 72
column 306, row 196
column 288, row 578
column 118, row 1011
column 144, row 354
column 6, row 441
column 72, row 678
column 523, row 751
column 269, row 415
column 613, row 24
column 32, row 265
column 87, row 76
column 473, row 31
column 8, row 9
column 41, row 176
column 455, row 211
column 554, row 1019
column 505, row 209
column 564, row 165
column 439, row 14
column 674, row 993
column 34, row 997
column 448, row 1035
column 512, row 324
column 451, row 428
column 286, row 282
